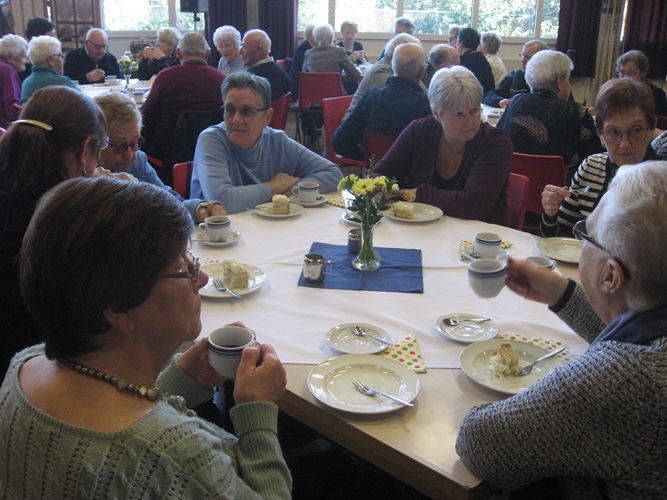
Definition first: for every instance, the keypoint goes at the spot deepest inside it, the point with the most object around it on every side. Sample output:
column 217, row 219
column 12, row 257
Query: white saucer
column 263, row 210
column 321, row 199
column 343, row 339
column 233, row 237
column 422, row 213
column 502, row 254
column 215, row 270
column 562, row 249
column 344, row 216
column 467, row 332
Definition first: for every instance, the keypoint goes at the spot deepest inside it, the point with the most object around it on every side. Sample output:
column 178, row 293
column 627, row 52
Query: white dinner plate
column 475, row 360
column 345, row 217
column 320, row 200
column 423, row 213
column 467, row 332
column 343, row 339
column 331, row 383
column 215, row 270
column 263, row 210
column 562, row 249
column 233, row 237
column 502, row 254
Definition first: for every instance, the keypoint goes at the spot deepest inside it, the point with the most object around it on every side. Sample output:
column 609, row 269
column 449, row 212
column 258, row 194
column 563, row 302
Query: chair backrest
column 280, row 112
column 182, row 176
column 313, row 87
column 377, row 144
column 283, row 63
column 333, row 110
column 541, row 170
column 18, row 108
column 517, row 199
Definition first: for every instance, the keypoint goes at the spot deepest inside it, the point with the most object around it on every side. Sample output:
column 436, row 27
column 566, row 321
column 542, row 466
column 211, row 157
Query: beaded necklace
column 259, row 159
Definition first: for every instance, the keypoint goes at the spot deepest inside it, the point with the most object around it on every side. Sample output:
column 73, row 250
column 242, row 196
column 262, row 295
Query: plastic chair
column 182, row 173
column 377, row 144
column 517, row 199
column 313, row 88
column 283, row 63
column 541, row 170
column 280, row 112
column 333, row 110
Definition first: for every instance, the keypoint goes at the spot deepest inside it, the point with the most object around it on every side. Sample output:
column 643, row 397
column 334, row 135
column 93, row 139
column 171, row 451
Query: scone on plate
column 280, row 206
column 235, row 275
column 404, row 210
column 505, row 361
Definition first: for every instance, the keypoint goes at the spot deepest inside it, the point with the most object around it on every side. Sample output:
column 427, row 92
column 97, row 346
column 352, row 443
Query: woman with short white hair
column 451, row 159
column 46, row 55
column 13, row 58
column 162, row 55
column 545, row 121
column 490, row 45
column 354, row 49
column 228, row 41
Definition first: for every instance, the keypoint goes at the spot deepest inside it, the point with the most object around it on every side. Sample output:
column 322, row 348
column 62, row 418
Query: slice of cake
column 235, row 275
column 404, row 210
column 505, row 361
column 280, row 206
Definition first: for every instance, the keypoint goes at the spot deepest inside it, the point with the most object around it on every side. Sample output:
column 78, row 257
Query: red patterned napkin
column 406, row 352
column 547, row 344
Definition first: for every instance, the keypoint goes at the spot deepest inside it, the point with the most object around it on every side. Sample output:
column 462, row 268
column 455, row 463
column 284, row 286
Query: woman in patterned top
column 625, row 116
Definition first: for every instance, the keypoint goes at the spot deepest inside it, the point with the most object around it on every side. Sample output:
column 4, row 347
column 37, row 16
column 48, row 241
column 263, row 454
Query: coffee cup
column 138, row 97
column 217, row 227
column 545, row 262
column 493, row 118
column 315, row 267
column 487, row 245
column 225, row 346
column 487, row 277
column 111, row 80
column 306, row 191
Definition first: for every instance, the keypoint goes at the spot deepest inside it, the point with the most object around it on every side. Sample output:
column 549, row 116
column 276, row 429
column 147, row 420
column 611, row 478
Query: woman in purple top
column 13, row 58
column 451, row 159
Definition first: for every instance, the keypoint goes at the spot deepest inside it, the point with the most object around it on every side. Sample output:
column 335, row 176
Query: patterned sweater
column 165, row 455
column 598, row 424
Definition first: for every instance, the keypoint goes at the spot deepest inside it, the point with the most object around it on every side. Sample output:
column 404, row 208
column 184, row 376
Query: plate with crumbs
column 562, row 249
column 263, row 210
column 256, row 280
column 422, row 213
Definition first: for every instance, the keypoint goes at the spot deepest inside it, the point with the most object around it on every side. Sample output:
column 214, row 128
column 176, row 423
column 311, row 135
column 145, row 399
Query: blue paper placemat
column 401, row 270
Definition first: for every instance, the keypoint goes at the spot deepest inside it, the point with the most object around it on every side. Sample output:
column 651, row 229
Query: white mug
column 217, row 227
column 545, row 262
column 487, row 277
column 487, row 245
column 225, row 346
column 306, row 191
column 138, row 97
column 111, row 80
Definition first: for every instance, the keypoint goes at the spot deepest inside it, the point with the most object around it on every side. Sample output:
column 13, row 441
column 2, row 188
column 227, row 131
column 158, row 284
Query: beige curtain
column 23, row 10
column 609, row 43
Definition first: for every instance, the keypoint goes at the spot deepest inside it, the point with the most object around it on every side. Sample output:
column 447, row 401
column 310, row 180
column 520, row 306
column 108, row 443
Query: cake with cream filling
column 280, row 205
column 235, row 275
column 404, row 210
column 505, row 361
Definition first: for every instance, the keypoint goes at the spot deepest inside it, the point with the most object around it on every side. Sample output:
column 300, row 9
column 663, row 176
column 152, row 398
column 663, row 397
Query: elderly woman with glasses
column 634, row 64
column 13, row 58
column 105, row 268
column 162, row 55
column 227, row 40
column 452, row 159
column 46, row 55
column 625, row 119
column 124, row 155
column 244, row 162
column 594, row 428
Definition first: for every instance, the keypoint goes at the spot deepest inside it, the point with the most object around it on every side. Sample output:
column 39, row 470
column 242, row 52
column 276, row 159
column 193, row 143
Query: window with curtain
column 146, row 15
column 512, row 18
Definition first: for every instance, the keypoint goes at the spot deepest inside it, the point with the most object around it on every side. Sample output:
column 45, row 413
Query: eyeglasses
column 194, row 266
column 98, row 46
column 245, row 111
column 581, row 233
column 60, row 54
column 105, row 143
column 616, row 136
column 122, row 147
column 628, row 74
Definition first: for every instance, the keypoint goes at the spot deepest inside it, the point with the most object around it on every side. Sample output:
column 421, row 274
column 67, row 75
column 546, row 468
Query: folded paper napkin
column 401, row 270
column 464, row 243
column 547, row 344
column 336, row 199
column 406, row 352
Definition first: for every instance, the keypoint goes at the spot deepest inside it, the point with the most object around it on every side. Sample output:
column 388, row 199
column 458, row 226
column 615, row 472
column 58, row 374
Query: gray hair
column 96, row 30
column 405, row 23
column 349, row 24
column 261, row 38
column 12, row 46
column 399, row 39
column 438, row 54
column 193, row 44
column 540, row 45
column 408, row 60
column 323, row 34
column 169, row 35
column 491, row 42
column 632, row 212
column 545, row 67
column 635, row 56
column 227, row 33
column 246, row 80
column 454, row 87
column 41, row 48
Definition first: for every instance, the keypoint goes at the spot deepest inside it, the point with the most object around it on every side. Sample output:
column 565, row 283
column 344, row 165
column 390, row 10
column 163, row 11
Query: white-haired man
column 255, row 50
column 92, row 63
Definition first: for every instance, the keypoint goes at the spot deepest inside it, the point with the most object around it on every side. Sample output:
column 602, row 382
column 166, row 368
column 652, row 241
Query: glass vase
column 127, row 84
column 368, row 259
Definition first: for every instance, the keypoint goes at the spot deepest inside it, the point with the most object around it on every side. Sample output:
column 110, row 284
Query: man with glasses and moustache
column 92, row 63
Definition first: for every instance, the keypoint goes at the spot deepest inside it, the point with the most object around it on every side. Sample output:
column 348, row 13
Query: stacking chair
column 517, row 199
column 333, row 110
column 376, row 144
column 280, row 112
column 313, row 87
column 182, row 173
column 283, row 63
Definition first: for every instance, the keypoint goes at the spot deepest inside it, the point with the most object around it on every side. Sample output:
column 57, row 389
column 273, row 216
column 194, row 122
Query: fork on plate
column 217, row 283
column 364, row 389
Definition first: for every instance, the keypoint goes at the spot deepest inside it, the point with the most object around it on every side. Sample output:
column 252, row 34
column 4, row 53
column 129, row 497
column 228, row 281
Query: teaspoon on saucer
column 456, row 322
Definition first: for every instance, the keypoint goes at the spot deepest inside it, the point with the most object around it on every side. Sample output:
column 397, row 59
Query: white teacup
column 138, row 97
column 487, row 277
column 225, row 346
column 217, row 227
column 487, row 245
column 542, row 261
column 306, row 191
column 111, row 80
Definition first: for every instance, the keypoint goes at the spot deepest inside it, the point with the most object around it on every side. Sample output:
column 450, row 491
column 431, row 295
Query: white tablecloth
column 295, row 319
